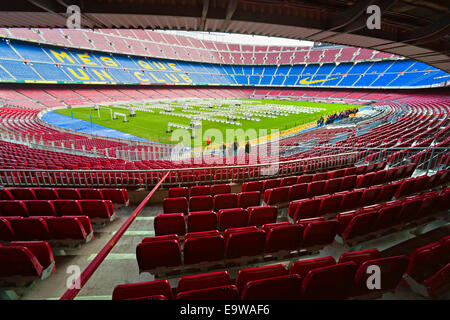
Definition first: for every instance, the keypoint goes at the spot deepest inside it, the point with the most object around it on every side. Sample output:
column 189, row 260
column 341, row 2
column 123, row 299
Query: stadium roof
column 415, row 29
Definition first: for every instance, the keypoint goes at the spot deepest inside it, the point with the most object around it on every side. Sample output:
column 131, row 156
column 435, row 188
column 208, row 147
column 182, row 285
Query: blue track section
column 67, row 122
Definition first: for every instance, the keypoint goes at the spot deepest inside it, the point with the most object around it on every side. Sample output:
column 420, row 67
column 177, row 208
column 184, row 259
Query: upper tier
column 167, row 46
column 22, row 61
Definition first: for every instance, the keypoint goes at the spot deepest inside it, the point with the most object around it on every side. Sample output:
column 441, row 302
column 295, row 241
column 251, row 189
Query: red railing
column 70, row 294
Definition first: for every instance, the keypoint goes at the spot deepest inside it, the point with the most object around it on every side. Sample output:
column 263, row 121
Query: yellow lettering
column 186, row 78
column 173, row 66
column 139, row 75
column 84, row 75
column 85, row 58
column 145, row 65
column 109, row 61
column 154, row 77
column 99, row 74
column 62, row 55
column 159, row 65
column 172, row 77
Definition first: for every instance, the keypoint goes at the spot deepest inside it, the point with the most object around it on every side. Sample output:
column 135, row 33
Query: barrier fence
column 427, row 159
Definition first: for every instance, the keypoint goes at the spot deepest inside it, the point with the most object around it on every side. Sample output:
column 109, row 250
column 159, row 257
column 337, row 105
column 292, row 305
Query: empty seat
column 119, row 196
column 271, row 183
column 224, row 201
column 41, row 251
column 286, row 287
column 30, row 229
column 388, row 215
column 232, row 218
column 306, row 178
column 18, row 265
column 242, row 242
column 13, row 208
column 143, row 290
column 365, row 180
column 351, row 200
column 40, row 208
column 68, row 194
column 5, row 195
column 359, row 257
column 218, row 293
column 203, row 247
column 201, row 221
column 319, row 233
column 388, row 191
column 276, row 195
column 391, row 273
column 379, row 177
column 361, row 224
column 336, row 174
column 249, row 199
column 405, row 188
column 303, row 267
column 23, row 194
column 90, row 194
column 329, row 283
column 329, row 203
column 298, row 191
column 6, row 230
column 252, row 186
column 203, row 281
column 97, row 209
column 370, row 195
column 220, row 189
column 438, row 284
column 257, row 216
column 315, row 188
column 320, row 176
column 199, row 191
column 288, row 181
column 67, row 208
column 175, row 205
column 179, row 192
column 302, row 209
column 66, row 228
column 422, row 261
column 45, row 193
column 250, row 274
column 332, row 186
column 284, row 237
column 170, row 223
column 200, row 203
column 160, row 251
column 348, row 183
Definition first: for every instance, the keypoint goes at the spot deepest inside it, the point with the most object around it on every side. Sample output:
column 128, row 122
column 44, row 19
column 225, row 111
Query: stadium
column 151, row 154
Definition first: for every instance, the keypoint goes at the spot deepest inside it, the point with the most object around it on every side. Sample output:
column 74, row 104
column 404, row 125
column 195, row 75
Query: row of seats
column 347, row 200
column 263, row 185
column 215, row 203
column 197, row 221
column 429, row 267
column 97, row 210
column 117, row 196
column 320, row 278
column 23, row 262
column 199, row 191
column 235, row 244
column 281, row 195
column 58, row 231
column 361, row 223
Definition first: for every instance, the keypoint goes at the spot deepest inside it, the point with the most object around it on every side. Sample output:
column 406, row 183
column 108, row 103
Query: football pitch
column 237, row 114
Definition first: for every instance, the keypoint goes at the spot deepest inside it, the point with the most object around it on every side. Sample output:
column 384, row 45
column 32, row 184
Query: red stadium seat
column 257, row 216
column 287, row 287
column 232, row 218
column 160, row 251
column 170, row 223
column 179, row 192
column 225, row 201
column 249, row 199
column 218, row 293
column 143, row 290
column 203, row 281
column 244, row 276
column 175, row 205
column 198, row 221
column 200, row 203
column 220, row 189
column 203, row 247
column 243, row 242
column 303, row 267
column 200, row 191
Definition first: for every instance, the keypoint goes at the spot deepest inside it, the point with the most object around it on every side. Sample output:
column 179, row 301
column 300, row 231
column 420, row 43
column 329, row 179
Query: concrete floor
column 120, row 266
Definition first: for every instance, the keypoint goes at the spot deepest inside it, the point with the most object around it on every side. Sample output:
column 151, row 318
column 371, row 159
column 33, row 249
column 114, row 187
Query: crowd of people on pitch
column 234, row 148
column 336, row 116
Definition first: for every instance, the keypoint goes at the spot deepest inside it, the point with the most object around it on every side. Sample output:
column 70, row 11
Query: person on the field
column 235, row 147
column 247, row 151
column 208, row 142
column 224, row 149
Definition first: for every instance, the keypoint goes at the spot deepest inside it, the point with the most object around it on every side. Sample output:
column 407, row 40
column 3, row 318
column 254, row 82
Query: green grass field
column 153, row 126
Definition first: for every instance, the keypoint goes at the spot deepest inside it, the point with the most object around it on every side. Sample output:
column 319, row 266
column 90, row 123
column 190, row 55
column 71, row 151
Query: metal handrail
column 71, row 293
